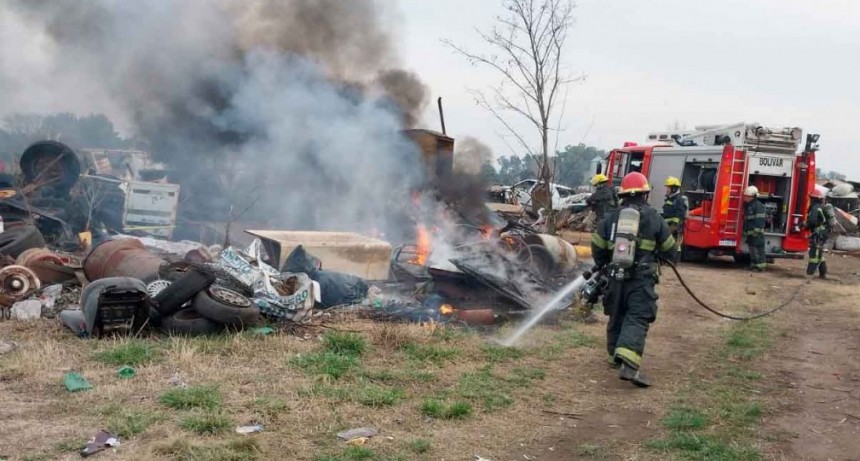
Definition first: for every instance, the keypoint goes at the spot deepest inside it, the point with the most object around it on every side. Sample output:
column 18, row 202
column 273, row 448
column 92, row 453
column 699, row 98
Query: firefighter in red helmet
column 818, row 222
column 627, row 245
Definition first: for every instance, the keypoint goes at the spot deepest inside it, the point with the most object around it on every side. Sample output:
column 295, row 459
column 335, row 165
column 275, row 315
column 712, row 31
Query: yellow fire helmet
column 672, row 181
column 599, row 178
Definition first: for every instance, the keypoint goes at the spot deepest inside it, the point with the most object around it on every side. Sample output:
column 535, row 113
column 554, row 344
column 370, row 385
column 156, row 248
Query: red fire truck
column 715, row 164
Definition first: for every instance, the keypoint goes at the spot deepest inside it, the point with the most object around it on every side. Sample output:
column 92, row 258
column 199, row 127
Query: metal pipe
column 441, row 115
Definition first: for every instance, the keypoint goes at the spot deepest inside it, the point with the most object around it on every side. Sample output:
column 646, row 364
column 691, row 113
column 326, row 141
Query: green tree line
column 571, row 167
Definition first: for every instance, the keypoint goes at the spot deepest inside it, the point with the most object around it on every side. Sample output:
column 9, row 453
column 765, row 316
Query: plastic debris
column 74, row 382
column 263, row 331
column 49, row 296
column 357, row 433
column 250, row 429
column 7, row 347
column 126, row 372
column 284, row 296
column 176, row 381
column 100, row 442
column 30, row 309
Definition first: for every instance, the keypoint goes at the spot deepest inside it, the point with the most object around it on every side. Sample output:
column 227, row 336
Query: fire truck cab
column 715, row 165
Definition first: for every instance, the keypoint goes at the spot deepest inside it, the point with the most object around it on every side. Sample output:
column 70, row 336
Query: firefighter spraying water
column 551, row 305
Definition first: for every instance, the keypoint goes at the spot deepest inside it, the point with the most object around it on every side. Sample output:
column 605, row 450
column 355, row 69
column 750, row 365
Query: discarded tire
column 542, row 260
column 226, row 307
column 189, row 322
column 17, row 240
column 223, row 278
column 170, row 299
column 845, row 243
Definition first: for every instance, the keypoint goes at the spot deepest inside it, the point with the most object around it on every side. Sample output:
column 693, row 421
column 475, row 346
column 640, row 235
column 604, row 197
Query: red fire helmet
column 634, row 183
column 817, row 193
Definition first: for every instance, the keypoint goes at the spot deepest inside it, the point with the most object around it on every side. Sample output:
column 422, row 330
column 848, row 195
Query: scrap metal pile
column 66, row 253
column 127, row 285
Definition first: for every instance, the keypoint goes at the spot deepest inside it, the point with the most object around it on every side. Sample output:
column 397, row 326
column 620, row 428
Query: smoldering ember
column 254, row 230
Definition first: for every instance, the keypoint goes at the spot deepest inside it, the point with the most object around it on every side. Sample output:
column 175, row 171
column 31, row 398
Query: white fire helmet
column 752, row 191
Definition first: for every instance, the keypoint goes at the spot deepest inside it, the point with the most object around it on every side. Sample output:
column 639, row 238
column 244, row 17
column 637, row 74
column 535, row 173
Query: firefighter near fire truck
column 603, row 198
column 754, row 222
column 818, row 221
column 626, row 246
column 675, row 211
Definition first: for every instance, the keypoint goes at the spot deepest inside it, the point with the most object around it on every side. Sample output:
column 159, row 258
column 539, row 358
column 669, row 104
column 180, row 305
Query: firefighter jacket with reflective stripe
column 602, row 200
column 817, row 220
column 675, row 209
column 654, row 238
column 754, row 218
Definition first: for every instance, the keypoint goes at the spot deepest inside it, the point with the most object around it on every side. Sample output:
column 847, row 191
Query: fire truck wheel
column 741, row 258
column 694, row 255
column 189, row 322
column 226, row 307
column 17, row 240
column 170, row 299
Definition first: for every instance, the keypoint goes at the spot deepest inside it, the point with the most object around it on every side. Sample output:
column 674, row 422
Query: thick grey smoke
column 293, row 106
column 471, row 155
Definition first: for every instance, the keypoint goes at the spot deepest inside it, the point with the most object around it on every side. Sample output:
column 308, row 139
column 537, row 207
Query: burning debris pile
column 454, row 273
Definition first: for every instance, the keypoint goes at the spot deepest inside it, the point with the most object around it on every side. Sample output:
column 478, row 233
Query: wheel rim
column 229, row 297
column 156, row 287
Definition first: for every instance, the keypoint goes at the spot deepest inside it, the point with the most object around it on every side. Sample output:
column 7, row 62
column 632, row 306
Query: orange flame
column 487, row 231
column 446, row 309
column 423, row 245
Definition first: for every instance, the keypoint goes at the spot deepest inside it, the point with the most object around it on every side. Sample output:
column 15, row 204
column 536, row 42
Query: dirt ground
column 552, row 399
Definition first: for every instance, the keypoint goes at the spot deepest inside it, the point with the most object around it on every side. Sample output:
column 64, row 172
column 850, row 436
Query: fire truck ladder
column 736, row 184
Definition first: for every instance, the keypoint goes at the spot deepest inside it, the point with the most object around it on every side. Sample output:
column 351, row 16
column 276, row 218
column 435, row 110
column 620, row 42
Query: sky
column 650, row 65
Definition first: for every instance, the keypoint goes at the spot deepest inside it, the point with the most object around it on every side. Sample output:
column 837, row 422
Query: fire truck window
column 619, row 168
column 636, row 160
column 708, row 179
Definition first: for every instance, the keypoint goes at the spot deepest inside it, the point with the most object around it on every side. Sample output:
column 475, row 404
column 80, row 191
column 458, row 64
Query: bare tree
column 528, row 44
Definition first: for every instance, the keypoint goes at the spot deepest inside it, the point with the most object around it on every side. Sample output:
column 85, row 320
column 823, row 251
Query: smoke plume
column 289, row 108
column 471, row 155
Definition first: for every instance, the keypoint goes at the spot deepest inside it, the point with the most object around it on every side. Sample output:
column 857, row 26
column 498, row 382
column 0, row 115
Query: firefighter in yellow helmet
column 603, row 198
column 630, row 299
column 754, row 222
column 818, row 221
column 675, row 210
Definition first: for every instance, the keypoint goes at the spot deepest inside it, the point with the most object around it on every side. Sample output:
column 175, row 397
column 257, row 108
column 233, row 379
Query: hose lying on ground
column 728, row 316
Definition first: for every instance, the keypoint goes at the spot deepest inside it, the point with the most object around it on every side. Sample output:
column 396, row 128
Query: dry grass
column 432, row 392
column 303, row 391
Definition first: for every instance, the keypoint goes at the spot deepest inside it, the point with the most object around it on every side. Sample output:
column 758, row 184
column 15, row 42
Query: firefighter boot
column 633, row 375
column 613, row 362
column 822, row 270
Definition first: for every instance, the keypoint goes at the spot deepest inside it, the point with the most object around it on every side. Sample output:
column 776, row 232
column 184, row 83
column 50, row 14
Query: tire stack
column 19, row 239
column 192, row 299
